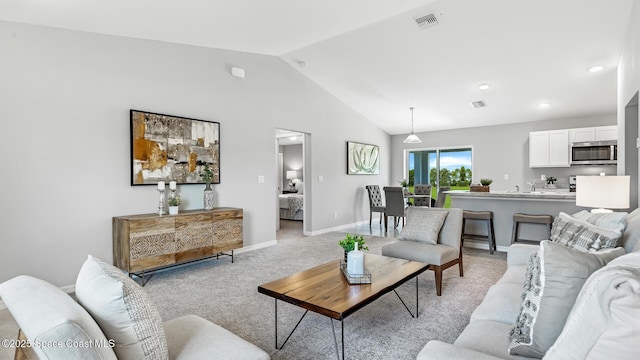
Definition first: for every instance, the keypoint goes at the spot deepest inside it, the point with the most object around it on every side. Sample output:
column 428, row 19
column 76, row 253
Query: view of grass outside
column 441, row 167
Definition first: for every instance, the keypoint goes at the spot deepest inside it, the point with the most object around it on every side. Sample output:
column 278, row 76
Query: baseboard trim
column 336, row 228
column 483, row 246
column 255, row 247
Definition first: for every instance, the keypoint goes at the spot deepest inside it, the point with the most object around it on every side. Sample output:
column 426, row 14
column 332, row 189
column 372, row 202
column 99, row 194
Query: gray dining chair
column 441, row 196
column 394, row 204
column 422, row 189
column 375, row 202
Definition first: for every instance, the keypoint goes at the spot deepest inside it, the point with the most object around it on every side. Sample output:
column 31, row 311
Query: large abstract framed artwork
column 166, row 148
column 363, row 159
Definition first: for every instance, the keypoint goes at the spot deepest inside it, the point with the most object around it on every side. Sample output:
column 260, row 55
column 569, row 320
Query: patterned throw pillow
column 123, row 311
column 563, row 230
column 423, row 224
column 555, row 276
column 581, row 235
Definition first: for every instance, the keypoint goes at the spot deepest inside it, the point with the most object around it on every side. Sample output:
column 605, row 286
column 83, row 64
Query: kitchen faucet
column 532, row 186
column 517, row 188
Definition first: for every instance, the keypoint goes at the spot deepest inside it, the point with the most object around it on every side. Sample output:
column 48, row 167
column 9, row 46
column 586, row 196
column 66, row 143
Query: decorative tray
column 355, row 279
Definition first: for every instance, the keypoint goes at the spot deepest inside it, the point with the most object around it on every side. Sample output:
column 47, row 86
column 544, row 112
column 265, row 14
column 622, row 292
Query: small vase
column 208, row 197
column 173, row 210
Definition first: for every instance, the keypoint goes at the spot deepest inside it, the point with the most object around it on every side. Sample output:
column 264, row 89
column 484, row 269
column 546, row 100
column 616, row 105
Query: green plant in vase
column 486, row 182
column 207, row 176
column 174, row 201
column 349, row 243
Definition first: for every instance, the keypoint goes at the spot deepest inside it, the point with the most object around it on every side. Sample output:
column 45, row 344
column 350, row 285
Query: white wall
column 503, row 149
column 628, row 76
column 64, row 105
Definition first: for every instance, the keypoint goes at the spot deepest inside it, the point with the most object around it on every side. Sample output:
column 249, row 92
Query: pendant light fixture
column 412, row 138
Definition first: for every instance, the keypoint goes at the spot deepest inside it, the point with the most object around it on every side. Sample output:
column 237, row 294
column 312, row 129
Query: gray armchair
column 443, row 255
column 395, row 205
column 375, row 202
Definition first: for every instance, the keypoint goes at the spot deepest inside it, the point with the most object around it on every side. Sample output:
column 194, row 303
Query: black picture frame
column 172, row 148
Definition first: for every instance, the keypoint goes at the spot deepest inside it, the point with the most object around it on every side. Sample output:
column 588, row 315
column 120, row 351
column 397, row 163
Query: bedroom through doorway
column 291, row 197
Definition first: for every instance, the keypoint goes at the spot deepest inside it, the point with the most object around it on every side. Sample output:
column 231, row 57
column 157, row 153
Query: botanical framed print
column 362, row 159
column 173, row 148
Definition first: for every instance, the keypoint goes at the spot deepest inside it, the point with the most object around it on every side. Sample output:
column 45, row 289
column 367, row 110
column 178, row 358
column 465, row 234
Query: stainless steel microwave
column 594, row 153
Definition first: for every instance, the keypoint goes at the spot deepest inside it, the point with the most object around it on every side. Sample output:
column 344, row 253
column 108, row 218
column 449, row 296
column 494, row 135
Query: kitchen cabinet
column 582, row 134
column 549, row 148
column 598, row 133
column 606, row 133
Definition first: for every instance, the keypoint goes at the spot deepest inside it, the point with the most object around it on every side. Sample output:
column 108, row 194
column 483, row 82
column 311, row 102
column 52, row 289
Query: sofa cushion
column 631, row 234
column 419, row 251
column 583, row 236
column 609, row 307
column 47, row 314
column 486, row 336
column 423, row 226
column 192, row 337
column 502, row 303
column 554, row 279
column 123, row 310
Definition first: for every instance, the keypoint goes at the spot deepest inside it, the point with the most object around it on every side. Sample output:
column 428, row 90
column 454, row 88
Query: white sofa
column 117, row 321
column 603, row 323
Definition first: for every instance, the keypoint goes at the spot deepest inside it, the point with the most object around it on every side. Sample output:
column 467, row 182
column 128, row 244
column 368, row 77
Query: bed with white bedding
column 291, row 206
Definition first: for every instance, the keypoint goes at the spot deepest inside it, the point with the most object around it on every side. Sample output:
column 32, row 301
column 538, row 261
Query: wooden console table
column 147, row 242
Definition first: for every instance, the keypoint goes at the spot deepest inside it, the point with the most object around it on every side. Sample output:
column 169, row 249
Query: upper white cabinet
column 598, row 133
column 605, row 133
column 582, row 134
column 549, row 148
column 538, row 149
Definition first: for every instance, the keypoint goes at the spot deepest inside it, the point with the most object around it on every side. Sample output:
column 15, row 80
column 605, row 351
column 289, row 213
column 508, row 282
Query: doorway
column 291, row 188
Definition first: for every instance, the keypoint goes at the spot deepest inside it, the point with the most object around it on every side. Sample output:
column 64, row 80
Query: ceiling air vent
column 426, row 21
column 478, row 104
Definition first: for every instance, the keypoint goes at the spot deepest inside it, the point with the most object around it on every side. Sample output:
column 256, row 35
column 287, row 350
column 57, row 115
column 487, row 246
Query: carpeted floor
column 227, row 294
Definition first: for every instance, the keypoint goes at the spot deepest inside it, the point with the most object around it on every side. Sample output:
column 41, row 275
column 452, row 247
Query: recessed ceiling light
column 596, row 68
column 543, row 105
column 483, row 86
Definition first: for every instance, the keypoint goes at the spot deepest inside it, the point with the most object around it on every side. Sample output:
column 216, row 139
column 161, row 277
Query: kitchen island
column 506, row 203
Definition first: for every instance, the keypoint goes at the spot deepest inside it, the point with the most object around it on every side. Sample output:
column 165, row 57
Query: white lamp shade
column 607, row 192
column 412, row 139
column 291, row 174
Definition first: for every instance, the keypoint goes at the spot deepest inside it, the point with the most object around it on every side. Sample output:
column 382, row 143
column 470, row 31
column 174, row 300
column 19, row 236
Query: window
column 441, row 167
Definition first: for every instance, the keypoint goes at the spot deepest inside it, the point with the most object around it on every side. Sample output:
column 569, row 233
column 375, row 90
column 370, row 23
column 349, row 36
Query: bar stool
column 481, row 216
column 529, row 219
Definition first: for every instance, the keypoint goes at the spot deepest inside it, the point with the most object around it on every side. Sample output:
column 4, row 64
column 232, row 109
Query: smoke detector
column 427, row 21
column 478, row 104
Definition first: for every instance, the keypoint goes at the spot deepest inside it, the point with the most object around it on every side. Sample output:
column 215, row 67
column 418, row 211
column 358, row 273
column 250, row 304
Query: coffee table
column 324, row 289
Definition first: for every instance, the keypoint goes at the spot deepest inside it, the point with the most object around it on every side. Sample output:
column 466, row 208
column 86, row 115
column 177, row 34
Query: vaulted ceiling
column 372, row 55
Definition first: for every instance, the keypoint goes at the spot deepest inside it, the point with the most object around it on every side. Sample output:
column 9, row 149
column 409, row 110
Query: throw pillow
column 554, row 278
column 583, row 236
column 612, row 221
column 563, row 230
column 123, row 311
column 609, row 307
column 423, row 225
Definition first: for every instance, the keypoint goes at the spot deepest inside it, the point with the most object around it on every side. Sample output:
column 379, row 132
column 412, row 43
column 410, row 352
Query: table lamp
column 291, row 174
column 603, row 192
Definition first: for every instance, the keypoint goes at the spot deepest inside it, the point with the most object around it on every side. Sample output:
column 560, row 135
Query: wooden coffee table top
column 324, row 290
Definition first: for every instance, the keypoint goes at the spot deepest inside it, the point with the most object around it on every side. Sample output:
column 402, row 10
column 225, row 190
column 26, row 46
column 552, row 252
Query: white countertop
column 544, row 194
